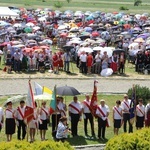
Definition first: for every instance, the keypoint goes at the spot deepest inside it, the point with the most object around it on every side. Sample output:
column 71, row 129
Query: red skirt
column 113, row 66
column 60, row 63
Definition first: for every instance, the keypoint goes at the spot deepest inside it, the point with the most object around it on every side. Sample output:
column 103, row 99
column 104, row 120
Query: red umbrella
column 127, row 26
column 46, row 47
column 4, row 44
column 28, row 50
column 63, row 34
column 94, row 34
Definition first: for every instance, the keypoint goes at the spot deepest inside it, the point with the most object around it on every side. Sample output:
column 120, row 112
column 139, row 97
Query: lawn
column 110, row 101
column 92, row 5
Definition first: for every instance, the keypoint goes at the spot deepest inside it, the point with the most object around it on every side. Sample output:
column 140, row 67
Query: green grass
column 110, row 101
column 93, row 5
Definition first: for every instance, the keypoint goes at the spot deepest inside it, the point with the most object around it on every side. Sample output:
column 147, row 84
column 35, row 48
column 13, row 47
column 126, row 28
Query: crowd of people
column 31, row 42
column 14, row 117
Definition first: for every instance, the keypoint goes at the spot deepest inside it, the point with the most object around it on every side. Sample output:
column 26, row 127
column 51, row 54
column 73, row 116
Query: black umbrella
column 67, row 91
column 118, row 51
column 67, row 47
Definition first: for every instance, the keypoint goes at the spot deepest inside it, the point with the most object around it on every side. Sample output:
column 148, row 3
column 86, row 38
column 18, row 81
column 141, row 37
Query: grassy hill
column 92, row 5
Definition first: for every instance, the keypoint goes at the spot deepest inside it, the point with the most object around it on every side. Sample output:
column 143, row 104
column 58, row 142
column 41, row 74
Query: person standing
column 117, row 117
column 43, row 116
column 75, row 114
column 56, row 115
column 89, row 62
column 125, row 104
column 102, row 112
column 67, row 58
column 83, row 60
column 1, row 118
column 140, row 115
column 87, row 115
column 147, row 115
column 10, row 121
column 122, row 63
column 20, row 120
column 17, row 61
column 98, row 58
column 8, row 61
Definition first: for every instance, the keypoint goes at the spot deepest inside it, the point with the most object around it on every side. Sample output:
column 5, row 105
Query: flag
column 93, row 104
column 30, row 105
column 53, row 101
column 38, row 89
column 132, row 106
column 46, row 90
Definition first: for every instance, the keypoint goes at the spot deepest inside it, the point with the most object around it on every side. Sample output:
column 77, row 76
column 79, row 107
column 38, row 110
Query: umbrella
column 47, row 41
column 67, row 91
column 28, row 30
column 68, row 47
column 15, row 99
column 94, row 34
column 139, row 40
column 17, row 25
column 86, row 49
column 30, row 24
column 43, row 97
column 106, row 72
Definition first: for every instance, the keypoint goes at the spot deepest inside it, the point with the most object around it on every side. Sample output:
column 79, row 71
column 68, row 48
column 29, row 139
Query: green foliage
column 130, row 141
column 123, row 8
column 141, row 92
column 58, row 4
column 45, row 145
column 68, row 1
column 137, row 2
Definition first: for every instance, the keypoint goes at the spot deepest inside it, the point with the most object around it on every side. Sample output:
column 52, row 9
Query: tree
column 68, row 1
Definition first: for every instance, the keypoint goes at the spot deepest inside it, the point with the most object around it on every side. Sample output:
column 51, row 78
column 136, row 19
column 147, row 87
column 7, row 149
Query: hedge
column 139, row 140
column 37, row 145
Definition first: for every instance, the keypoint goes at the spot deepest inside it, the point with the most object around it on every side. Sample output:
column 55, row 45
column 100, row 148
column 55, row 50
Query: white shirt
column 1, row 114
column 86, row 108
column 18, row 115
column 124, row 106
column 61, row 131
column 140, row 110
column 9, row 114
column 98, row 57
column 147, row 109
column 77, row 105
column 44, row 114
column 83, row 57
column 104, row 109
column 117, row 115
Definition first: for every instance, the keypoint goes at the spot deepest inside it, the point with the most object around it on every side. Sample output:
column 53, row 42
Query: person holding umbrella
column 75, row 114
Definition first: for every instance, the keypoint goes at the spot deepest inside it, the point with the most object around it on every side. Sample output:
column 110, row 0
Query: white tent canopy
column 5, row 11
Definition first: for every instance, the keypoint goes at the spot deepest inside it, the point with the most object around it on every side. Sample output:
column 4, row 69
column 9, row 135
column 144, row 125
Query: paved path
column 20, row 86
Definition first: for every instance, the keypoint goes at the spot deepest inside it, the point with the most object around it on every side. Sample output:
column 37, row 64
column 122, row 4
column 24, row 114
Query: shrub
column 141, row 92
column 137, row 2
column 123, row 8
column 45, row 145
column 130, row 141
column 58, row 4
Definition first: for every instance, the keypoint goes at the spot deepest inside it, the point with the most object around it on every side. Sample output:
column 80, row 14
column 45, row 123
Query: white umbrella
column 17, row 25
column 109, row 50
column 86, row 49
column 36, row 28
column 30, row 24
column 133, row 45
column 19, row 46
column 97, row 48
column 15, row 99
column 106, row 72
column 44, row 97
column 62, row 27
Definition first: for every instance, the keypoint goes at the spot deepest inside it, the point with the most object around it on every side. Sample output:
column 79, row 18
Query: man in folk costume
column 87, row 115
column 75, row 114
column 140, row 115
column 147, row 115
column 20, row 120
column 125, row 104
column 43, row 122
column 56, row 115
column 102, row 112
